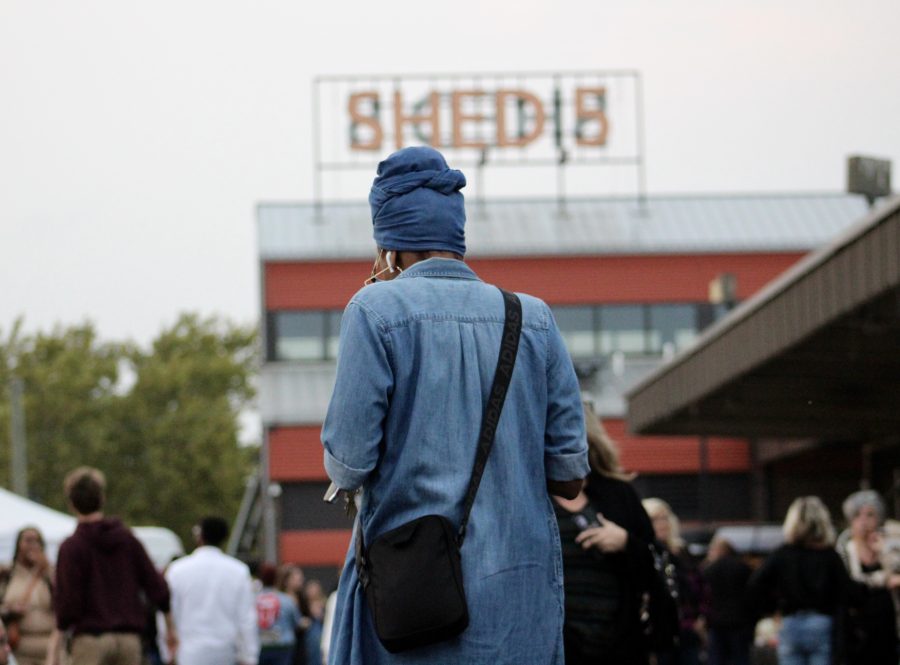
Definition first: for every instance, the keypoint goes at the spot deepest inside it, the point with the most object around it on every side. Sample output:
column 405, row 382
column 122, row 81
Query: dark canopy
column 815, row 354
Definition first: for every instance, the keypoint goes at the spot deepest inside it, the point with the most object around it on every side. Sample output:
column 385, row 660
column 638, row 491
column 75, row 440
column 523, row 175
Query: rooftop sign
column 479, row 120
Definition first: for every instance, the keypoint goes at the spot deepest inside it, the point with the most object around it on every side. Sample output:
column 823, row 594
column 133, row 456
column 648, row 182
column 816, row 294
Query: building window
column 622, row 328
column 299, row 335
column 332, row 332
column 587, row 330
column 671, row 327
column 303, row 335
column 632, row 329
column 577, row 326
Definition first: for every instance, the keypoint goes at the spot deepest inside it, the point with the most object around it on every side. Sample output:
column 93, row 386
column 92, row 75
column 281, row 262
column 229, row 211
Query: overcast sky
column 137, row 137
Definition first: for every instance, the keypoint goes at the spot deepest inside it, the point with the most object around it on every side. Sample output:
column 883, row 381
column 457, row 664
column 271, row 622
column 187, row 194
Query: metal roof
column 815, row 353
column 663, row 224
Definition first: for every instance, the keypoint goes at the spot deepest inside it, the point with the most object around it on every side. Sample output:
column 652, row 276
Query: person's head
column 4, row 644
column 603, row 453
column 719, row 548
column 666, row 526
column 290, row 579
column 85, row 489
column 808, row 523
column 314, row 590
column 417, row 210
column 315, row 598
column 29, row 550
column 864, row 512
column 212, row 531
column 268, row 574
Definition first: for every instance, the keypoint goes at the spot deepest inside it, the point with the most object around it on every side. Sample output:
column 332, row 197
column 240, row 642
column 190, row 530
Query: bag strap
column 506, row 362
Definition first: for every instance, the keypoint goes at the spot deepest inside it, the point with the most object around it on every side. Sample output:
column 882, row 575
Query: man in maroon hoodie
column 101, row 572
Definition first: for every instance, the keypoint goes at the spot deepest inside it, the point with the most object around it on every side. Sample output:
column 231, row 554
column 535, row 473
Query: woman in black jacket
column 608, row 565
column 806, row 581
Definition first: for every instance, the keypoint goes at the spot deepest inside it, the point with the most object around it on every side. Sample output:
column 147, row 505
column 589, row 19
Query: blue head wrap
column 416, row 203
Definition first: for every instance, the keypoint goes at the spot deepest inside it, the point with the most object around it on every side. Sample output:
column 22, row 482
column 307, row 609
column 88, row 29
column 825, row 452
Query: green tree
column 69, row 378
column 162, row 423
column 177, row 428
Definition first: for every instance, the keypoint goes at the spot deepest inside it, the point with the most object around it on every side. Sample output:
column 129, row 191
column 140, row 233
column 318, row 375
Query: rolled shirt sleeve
column 353, row 426
column 565, row 442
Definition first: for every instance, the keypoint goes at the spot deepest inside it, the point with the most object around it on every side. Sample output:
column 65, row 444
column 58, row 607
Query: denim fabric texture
column 416, row 203
column 805, row 639
column 416, row 361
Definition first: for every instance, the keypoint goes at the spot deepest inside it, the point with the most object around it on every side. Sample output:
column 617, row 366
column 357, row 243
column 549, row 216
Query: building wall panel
column 322, row 547
column 300, row 508
column 559, row 281
column 295, row 453
column 677, row 454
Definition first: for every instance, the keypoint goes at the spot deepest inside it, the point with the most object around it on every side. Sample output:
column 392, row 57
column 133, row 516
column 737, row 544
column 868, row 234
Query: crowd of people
column 104, row 603
column 635, row 595
column 614, row 584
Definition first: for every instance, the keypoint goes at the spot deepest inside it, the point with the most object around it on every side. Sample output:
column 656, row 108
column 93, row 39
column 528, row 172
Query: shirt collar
column 207, row 549
column 439, row 267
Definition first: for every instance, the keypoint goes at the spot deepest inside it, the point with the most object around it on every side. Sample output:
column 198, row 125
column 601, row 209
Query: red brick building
column 628, row 283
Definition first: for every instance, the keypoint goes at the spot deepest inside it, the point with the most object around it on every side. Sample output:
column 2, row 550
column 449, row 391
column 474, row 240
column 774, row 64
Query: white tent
column 17, row 512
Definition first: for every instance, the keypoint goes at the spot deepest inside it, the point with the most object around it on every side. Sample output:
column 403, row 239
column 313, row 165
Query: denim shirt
column 416, row 362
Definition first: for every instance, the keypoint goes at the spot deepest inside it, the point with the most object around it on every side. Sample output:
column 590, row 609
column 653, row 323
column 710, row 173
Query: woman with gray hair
column 806, row 582
column 871, row 637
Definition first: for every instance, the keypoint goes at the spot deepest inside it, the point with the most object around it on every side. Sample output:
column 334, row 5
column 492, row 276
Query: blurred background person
column 805, row 580
column 278, row 617
column 103, row 573
column 608, row 565
column 871, row 631
column 26, row 599
column 688, row 585
column 213, row 608
column 315, row 614
column 291, row 581
column 729, row 624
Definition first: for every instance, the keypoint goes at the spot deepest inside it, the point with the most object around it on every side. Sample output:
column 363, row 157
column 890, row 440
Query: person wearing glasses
column 418, row 352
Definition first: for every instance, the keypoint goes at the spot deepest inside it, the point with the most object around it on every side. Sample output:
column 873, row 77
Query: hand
column 893, row 581
column 607, row 538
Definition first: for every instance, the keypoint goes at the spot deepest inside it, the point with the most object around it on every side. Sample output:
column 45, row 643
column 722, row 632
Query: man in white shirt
column 213, row 603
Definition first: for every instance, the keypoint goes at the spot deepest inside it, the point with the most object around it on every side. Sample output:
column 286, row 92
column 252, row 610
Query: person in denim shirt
column 277, row 616
column 418, row 350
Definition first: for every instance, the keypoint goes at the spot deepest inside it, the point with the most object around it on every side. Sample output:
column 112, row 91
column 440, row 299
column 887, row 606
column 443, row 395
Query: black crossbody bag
column 412, row 575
